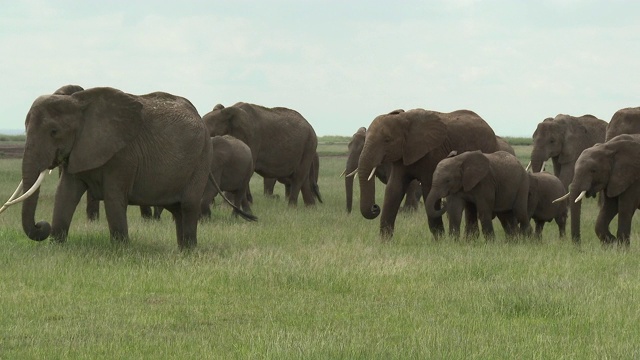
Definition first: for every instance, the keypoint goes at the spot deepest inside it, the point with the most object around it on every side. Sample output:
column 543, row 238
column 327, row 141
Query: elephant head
column 397, row 136
column 624, row 121
column 233, row 121
column 79, row 132
column 455, row 174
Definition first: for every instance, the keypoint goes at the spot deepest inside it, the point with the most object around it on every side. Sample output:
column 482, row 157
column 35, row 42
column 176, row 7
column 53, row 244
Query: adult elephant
column 121, row 148
column 281, row 140
column 504, row 145
column 414, row 191
column 496, row 184
column 624, row 121
column 414, row 142
column 612, row 168
column 562, row 139
column 269, row 184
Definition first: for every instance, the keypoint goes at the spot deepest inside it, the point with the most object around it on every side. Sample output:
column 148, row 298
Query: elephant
column 414, row 191
column 505, row 146
column 414, row 142
column 314, row 173
column 544, row 188
column 495, row 183
column 624, row 121
column 124, row 149
column 562, row 139
column 232, row 167
column 282, row 142
column 612, row 168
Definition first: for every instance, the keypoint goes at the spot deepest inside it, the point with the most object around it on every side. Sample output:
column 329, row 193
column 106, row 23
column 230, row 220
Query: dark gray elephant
column 504, row 145
column 563, row 139
column 121, row 148
column 269, row 184
column 496, row 184
column 624, row 121
column 282, row 142
column 612, row 168
column 414, row 142
column 544, row 188
column 232, row 167
column 414, row 191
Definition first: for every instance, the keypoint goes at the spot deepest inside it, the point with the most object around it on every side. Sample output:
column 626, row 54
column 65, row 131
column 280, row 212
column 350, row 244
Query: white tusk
column 29, row 192
column 13, row 196
column 372, row 173
column 343, row 172
column 353, row 173
column 543, row 166
column 582, row 194
column 565, row 197
column 528, row 166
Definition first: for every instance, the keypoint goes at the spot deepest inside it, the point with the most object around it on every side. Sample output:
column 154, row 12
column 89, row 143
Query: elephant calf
column 494, row 183
column 544, row 188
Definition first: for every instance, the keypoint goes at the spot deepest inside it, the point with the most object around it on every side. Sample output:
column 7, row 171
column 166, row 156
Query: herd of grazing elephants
column 156, row 150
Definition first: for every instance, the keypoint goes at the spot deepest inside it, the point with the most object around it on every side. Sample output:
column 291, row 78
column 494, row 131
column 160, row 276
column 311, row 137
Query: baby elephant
column 231, row 167
column 496, row 184
column 544, row 188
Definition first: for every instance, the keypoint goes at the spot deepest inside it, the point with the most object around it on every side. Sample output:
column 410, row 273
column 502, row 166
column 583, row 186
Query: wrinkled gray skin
column 624, row 121
column 414, row 191
column 544, row 188
column 282, row 142
column 562, row 139
column 232, row 167
column 612, row 168
column 93, row 205
column 495, row 183
column 121, row 148
column 503, row 145
column 314, row 173
column 414, row 142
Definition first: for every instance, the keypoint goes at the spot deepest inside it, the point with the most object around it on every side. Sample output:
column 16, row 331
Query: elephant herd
column 462, row 167
column 156, row 150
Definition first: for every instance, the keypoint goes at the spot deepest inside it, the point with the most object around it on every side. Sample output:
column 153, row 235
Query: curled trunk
column 432, row 203
column 575, row 210
column 35, row 231
column 368, row 208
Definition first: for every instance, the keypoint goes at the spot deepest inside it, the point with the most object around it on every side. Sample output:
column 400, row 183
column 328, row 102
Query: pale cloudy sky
column 339, row 63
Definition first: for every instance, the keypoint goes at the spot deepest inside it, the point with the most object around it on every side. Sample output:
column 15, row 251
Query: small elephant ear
column 626, row 167
column 474, row 168
column 112, row 119
column 425, row 132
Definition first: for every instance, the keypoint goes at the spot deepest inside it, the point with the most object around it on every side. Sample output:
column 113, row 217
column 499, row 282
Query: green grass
column 312, row 283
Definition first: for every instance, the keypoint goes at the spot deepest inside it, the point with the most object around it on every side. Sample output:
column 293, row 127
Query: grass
column 313, row 283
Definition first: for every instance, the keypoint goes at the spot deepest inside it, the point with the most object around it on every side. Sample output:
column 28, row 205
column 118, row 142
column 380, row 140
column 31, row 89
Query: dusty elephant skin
column 269, row 184
column 121, row 148
column 494, row 183
column 544, row 188
column 624, row 121
column 562, row 139
column 282, row 142
column 414, row 142
column 612, row 168
column 414, row 191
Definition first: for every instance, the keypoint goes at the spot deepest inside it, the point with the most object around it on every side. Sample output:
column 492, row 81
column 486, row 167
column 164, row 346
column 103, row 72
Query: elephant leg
column 412, row 197
column 157, row 211
column 626, row 209
column 471, row 228
column 539, row 228
column 68, row 195
column 561, row 220
column 455, row 207
column 146, row 212
column 509, row 224
column 268, row 185
column 93, row 208
column 607, row 212
column 307, row 193
column 485, row 215
column 393, row 194
column 190, row 211
column 115, row 208
column 210, row 192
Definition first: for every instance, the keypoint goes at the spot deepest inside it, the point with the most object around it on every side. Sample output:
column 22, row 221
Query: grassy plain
column 312, row 283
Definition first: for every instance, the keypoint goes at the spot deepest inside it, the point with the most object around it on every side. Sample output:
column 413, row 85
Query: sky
column 339, row 63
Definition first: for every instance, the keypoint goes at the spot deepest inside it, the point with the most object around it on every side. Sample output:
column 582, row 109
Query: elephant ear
column 475, row 167
column 425, row 132
column 112, row 119
column 626, row 167
column 575, row 140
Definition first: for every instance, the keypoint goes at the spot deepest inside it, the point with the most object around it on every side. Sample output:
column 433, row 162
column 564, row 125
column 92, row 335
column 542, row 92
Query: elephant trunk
column 537, row 159
column 576, row 194
column 352, row 165
column 35, row 231
column 432, row 204
column 368, row 208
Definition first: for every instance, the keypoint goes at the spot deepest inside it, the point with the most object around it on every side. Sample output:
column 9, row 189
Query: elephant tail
column 316, row 192
column 236, row 210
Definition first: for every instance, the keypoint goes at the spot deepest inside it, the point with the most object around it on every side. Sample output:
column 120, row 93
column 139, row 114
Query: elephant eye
column 54, row 132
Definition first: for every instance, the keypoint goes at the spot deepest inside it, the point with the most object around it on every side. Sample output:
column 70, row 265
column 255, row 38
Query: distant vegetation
column 12, row 137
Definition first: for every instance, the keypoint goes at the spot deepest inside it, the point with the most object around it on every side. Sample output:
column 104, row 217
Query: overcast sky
column 339, row 63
